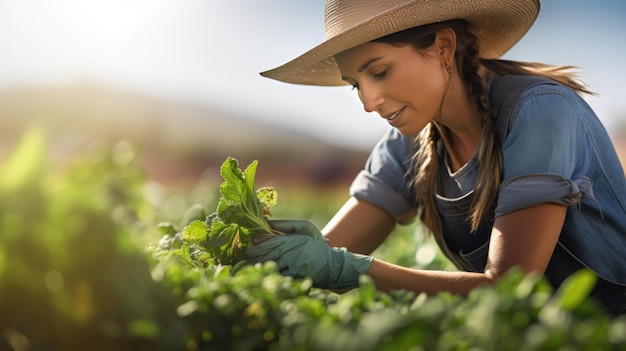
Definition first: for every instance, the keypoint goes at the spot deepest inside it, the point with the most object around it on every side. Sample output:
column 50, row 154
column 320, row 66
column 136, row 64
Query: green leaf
column 226, row 210
column 234, row 184
column 575, row 289
column 249, row 175
column 196, row 231
column 234, row 213
column 220, row 234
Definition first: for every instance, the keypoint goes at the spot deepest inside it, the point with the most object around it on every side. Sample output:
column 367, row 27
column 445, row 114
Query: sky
column 211, row 52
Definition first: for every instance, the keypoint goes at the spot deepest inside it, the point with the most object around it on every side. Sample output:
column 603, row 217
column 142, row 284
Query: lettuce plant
column 240, row 219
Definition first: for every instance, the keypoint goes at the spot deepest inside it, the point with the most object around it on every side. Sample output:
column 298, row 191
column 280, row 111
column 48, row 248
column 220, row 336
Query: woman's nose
column 371, row 99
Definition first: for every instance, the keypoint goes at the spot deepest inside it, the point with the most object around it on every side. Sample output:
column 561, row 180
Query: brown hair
column 476, row 74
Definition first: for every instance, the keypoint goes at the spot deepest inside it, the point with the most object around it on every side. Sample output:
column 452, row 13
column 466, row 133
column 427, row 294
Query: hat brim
column 498, row 25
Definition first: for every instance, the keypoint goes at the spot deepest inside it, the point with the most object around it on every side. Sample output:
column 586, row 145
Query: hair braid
column 425, row 164
column 489, row 153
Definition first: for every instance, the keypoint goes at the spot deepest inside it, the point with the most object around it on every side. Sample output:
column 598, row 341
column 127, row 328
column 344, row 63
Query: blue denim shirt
column 555, row 150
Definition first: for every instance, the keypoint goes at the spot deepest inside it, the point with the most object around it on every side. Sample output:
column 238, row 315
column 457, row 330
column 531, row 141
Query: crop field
column 88, row 262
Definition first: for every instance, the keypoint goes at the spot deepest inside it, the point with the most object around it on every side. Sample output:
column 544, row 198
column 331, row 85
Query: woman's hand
column 299, row 226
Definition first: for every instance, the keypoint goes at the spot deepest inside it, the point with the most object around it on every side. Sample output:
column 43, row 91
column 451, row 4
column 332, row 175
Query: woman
column 503, row 161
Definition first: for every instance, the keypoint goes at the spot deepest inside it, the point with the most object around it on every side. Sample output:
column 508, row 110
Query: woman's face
column 404, row 86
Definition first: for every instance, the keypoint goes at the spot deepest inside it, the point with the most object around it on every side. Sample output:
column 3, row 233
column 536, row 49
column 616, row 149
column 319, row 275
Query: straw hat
column 498, row 24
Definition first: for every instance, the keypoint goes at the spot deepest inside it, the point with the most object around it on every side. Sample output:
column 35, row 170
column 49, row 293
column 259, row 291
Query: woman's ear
column 446, row 44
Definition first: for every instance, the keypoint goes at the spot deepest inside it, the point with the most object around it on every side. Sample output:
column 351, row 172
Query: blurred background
column 179, row 80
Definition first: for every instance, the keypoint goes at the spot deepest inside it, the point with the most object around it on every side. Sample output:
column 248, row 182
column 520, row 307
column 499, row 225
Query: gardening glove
column 299, row 226
column 290, row 226
column 301, row 256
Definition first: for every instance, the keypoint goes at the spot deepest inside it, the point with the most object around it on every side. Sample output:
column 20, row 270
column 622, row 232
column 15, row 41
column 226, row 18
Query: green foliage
column 241, row 217
column 75, row 275
column 72, row 276
column 239, row 203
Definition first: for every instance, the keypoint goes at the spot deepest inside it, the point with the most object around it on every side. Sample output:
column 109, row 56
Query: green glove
column 301, row 256
column 290, row 226
column 299, row 226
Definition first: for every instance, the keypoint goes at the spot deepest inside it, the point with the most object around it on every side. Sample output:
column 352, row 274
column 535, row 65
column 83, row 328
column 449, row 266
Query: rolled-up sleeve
column 544, row 156
column 537, row 189
column 383, row 182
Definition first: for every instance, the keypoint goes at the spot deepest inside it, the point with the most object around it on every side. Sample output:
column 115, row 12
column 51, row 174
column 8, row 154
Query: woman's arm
column 525, row 238
column 359, row 226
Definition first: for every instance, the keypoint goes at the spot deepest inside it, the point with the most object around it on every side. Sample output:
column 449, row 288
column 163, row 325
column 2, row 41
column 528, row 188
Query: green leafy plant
column 239, row 221
column 242, row 213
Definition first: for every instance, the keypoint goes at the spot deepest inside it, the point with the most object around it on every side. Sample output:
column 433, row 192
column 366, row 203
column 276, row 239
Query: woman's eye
column 380, row 75
column 355, row 87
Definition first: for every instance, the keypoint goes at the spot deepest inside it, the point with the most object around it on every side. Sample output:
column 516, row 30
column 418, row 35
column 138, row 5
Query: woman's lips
column 394, row 118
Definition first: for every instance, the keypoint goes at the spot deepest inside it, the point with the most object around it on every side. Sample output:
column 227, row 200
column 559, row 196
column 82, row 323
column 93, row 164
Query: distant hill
column 176, row 140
